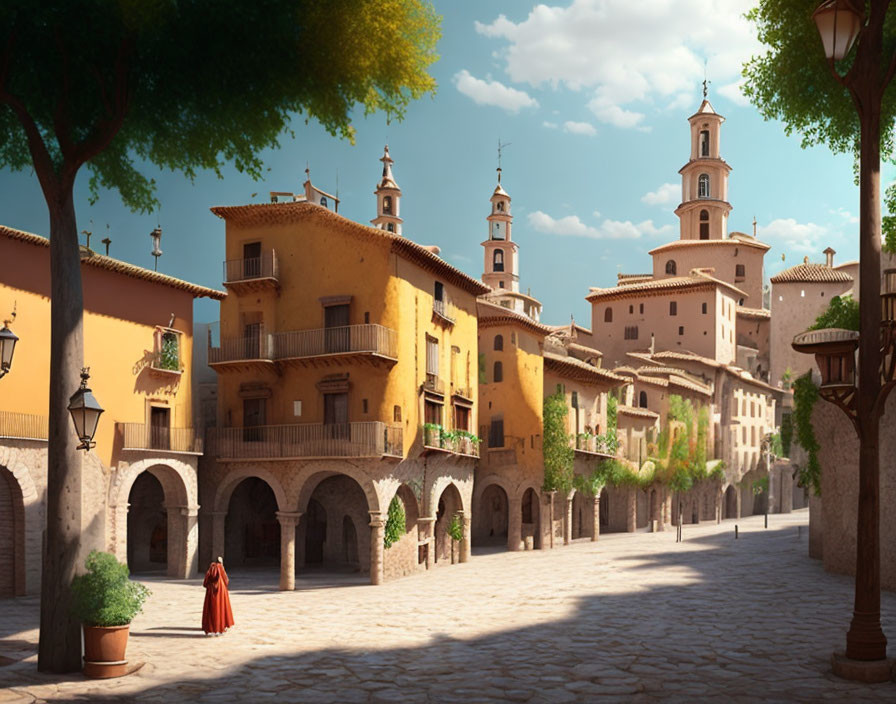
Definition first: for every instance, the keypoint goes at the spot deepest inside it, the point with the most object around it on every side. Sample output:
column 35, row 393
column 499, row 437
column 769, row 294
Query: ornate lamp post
column 85, row 412
column 841, row 23
column 8, row 341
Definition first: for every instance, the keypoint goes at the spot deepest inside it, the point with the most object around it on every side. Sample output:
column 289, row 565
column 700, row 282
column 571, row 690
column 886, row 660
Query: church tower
column 704, row 208
column 388, row 198
column 500, row 270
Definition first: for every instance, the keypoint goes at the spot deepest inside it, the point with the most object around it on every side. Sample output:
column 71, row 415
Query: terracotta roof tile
column 736, row 242
column 638, row 412
column 811, row 274
column 696, row 280
column 575, row 368
column 761, row 313
column 492, row 315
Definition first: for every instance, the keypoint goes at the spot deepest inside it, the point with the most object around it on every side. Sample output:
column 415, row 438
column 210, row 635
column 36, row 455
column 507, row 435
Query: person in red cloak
column 217, row 616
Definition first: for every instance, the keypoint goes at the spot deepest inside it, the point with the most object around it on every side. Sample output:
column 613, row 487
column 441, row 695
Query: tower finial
column 754, row 226
column 500, row 148
column 705, row 81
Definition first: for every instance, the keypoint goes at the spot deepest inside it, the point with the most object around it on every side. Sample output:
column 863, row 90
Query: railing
column 138, row 436
column 444, row 310
column 263, row 267
column 367, row 439
column 440, row 439
column 433, row 383
column 23, row 426
column 242, row 348
column 596, row 444
column 371, row 338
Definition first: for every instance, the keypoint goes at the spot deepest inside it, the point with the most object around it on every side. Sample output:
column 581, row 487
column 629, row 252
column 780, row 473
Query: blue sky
column 592, row 96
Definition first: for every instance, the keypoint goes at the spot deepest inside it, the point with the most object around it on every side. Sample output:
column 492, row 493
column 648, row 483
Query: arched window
column 704, row 224
column 703, row 186
column 671, row 268
column 500, row 205
column 387, row 205
column 608, row 315
column 499, row 342
column 323, row 201
column 704, row 142
column 390, row 226
column 642, row 399
column 498, row 374
column 498, row 260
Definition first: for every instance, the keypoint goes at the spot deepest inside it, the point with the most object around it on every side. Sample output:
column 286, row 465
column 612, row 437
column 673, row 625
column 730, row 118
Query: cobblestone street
column 630, row 618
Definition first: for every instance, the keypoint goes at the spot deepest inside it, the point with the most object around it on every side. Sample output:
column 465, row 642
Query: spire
column 388, row 180
column 388, row 197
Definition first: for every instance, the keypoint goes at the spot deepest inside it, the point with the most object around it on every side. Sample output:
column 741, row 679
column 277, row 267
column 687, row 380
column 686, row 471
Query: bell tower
column 388, row 198
column 500, row 270
column 703, row 213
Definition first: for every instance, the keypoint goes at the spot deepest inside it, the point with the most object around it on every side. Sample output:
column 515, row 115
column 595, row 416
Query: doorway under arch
column 530, row 519
column 147, row 525
column 449, row 505
column 333, row 533
column 490, row 519
column 12, row 536
column 251, row 528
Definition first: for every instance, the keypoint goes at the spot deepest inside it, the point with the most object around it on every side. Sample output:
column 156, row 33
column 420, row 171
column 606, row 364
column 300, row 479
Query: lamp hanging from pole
column 85, row 411
column 838, row 23
column 8, row 341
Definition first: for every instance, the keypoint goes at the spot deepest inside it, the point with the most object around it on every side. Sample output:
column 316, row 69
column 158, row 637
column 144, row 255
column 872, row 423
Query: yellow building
column 137, row 343
column 346, row 364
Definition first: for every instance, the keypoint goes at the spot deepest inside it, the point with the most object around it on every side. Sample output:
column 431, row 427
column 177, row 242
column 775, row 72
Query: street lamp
column 156, row 242
column 8, row 341
column 842, row 23
column 85, row 412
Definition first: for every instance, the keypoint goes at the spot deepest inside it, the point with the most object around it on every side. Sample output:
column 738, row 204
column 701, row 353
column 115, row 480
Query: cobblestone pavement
column 630, row 618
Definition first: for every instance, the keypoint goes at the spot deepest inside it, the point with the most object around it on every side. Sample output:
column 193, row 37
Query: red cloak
column 217, row 616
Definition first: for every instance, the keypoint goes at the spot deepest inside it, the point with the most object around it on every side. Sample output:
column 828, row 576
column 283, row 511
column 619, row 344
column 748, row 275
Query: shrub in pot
column 106, row 601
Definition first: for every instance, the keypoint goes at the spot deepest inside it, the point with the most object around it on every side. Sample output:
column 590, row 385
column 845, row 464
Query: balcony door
column 160, row 428
column 252, row 260
column 336, row 416
column 337, row 332
column 253, row 419
column 252, row 340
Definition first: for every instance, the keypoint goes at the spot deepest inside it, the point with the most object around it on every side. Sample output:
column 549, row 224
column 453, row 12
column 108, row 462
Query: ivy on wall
column 395, row 522
column 805, row 394
column 556, row 450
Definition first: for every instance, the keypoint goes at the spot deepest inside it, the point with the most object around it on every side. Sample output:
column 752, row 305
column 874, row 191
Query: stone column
column 567, row 521
column 183, row 541
column 696, row 503
column 425, row 529
column 550, row 497
column 631, row 510
column 667, row 507
column 595, row 513
column 217, row 533
column 465, row 544
column 288, row 521
column 514, row 523
column 377, row 550
column 660, row 509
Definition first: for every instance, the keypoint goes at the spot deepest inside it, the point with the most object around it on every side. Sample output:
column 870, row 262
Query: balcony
column 308, row 440
column 588, row 444
column 325, row 346
column 23, row 426
column 138, row 436
column 243, row 354
column 457, row 442
column 252, row 275
column 433, row 384
column 443, row 312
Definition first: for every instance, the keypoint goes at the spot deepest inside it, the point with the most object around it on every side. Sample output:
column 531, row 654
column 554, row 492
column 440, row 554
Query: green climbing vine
column 556, row 449
column 681, row 454
column 805, row 394
column 395, row 521
column 455, row 529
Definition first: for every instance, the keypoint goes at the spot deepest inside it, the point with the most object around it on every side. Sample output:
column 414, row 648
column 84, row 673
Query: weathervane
column 500, row 147
column 705, row 81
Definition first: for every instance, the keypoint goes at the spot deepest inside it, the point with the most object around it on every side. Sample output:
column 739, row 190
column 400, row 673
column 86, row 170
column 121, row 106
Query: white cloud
column 845, row 214
column 585, row 128
column 493, row 93
column 649, row 54
column 734, row 92
column 791, row 235
column 667, row 193
column 572, row 226
column 550, row 125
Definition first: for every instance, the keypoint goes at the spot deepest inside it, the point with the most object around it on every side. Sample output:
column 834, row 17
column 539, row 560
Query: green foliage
column 681, row 480
column 482, row 368
column 760, row 485
column 662, row 442
column 104, row 596
column 786, row 434
column 718, row 472
column 682, row 446
column 612, row 404
column 617, row 473
column 805, row 394
column 842, row 312
column 787, row 378
column 455, row 529
column 395, row 522
column 169, row 356
column 556, row 451
column 590, row 484
column 191, row 85
column 777, row 445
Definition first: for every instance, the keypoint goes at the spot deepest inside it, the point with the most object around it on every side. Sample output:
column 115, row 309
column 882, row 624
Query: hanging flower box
column 835, row 354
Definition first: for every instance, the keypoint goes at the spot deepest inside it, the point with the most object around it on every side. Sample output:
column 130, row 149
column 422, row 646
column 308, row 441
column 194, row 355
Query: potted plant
column 106, row 601
column 455, row 531
column 432, row 434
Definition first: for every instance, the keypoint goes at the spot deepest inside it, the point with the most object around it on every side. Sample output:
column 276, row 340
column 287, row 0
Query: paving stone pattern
column 633, row 617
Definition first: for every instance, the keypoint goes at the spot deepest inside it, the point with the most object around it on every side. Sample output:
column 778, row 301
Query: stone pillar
column 660, row 509
column 550, row 497
column 720, row 497
column 217, row 533
column 465, row 544
column 595, row 515
column 288, row 521
column 631, row 510
column 696, row 503
column 425, row 535
column 667, row 507
column 514, row 523
column 377, row 550
column 183, row 541
column 567, row 521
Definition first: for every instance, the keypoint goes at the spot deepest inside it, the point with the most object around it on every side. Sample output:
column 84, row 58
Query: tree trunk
column 60, row 634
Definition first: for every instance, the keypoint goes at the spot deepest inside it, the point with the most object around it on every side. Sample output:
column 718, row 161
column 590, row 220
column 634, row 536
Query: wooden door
column 160, row 428
column 337, row 333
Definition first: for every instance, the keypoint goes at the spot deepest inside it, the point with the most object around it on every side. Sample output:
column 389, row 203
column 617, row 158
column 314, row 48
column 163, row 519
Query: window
column 501, row 285
column 253, row 417
column 432, row 412
column 631, row 309
column 641, row 308
column 703, row 308
column 497, row 234
column 387, row 205
column 500, row 206
column 367, row 317
column 167, row 351
column 363, row 405
column 681, row 329
column 499, row 342
column 496, row 433
column 390, row 226
column 631, row 332
column 642, row 399
column 498, row 260
column 574, row 399
column 396, row 414
column 608, row 315
column 740, row 272
column 432, row 356
column 671, row 267
column 704, row 224
column 703, row 186
column 251, row 260
column 498, row 373
column 704, row 142
column 323, row 201
column 461, row 418
column 673, row 308
column 439, row 291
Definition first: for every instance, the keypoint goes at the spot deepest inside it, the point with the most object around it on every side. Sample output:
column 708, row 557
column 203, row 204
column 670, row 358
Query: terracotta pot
column 104, row 650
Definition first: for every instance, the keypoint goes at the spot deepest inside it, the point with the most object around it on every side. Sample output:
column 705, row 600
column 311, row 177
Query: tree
column 113, row 84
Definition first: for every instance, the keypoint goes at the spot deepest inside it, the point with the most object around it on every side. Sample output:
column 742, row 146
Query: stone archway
column 490, row 516
column 12, row 536
column 582, row 516
column 251, row 526
column 147, row 526
column 730, row 502
column 25, row 521
column 407, row 554
column 449, row 505
column 530, row 518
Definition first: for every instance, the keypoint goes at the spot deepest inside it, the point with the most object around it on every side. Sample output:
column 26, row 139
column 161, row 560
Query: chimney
column 806, row 259
column 829, row 254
